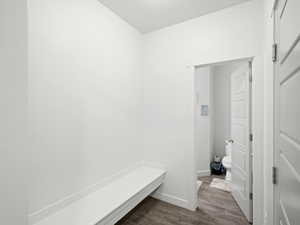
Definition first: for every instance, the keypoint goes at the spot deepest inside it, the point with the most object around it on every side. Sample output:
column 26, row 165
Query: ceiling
column 150, row 15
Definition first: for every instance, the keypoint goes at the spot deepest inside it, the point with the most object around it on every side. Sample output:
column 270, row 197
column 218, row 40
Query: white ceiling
column 150, row 15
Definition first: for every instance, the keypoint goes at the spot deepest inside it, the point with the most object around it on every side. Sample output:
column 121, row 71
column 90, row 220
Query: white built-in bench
column 110, row 203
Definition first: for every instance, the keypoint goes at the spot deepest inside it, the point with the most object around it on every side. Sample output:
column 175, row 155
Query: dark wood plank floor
column 216, row 207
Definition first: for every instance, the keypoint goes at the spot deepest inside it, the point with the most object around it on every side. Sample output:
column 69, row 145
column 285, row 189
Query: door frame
column 274, row 18
column 255, row 190
column 269, row 211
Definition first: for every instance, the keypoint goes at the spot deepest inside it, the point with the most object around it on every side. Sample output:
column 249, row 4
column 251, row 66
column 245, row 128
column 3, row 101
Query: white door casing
column 240, row 134
column 287, row 113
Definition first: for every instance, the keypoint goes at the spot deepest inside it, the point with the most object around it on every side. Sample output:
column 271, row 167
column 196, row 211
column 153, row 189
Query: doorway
column 223, row 134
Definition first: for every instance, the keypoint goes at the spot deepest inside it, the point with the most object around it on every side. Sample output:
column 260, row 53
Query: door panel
column 289, row 191
column 290, row 107
column 239, row 134
column 281, row 6
column 289, row 27
column 283, row 217
column 291, row 65
column 289, row 37
column 291, row 150
column 239, row 109
column 240, row 160
column 240, row 131
column 240, row 186
column 238, row 84
column 287, row 113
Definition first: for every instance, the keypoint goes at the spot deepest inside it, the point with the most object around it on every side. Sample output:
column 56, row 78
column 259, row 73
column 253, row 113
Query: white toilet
column 227, row 159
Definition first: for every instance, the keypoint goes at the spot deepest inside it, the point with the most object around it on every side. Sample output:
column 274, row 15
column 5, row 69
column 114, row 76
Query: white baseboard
column 171, row 199
column 60, row 204
column 203, row 173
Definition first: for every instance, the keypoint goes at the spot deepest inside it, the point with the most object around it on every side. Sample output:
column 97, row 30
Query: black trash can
column 217, row 168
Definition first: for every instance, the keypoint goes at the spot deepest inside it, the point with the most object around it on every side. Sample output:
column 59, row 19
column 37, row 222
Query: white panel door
column 287, row 113
column 240, row 133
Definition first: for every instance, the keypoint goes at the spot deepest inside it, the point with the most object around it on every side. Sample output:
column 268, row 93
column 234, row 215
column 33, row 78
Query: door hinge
column 251, row 137
column 274, row 175
column 251, row 196
column 274, row 52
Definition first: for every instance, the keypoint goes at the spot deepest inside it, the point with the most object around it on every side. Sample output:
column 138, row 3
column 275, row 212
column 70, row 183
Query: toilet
column 227, row 159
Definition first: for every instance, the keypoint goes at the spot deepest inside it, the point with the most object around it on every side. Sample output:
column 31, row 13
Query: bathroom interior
column 213, row 135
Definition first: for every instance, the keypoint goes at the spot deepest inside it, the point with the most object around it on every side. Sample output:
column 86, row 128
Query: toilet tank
column 228, row 147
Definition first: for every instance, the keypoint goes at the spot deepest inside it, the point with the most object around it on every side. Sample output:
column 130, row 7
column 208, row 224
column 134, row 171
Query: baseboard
column 62, row 203
column 203, row 173
column 171, row 199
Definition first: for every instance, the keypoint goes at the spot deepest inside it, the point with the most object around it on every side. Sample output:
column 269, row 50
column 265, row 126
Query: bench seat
column 110, row 203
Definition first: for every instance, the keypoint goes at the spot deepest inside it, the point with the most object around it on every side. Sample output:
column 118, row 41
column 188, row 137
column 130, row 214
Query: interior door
column 240, row 134
column 287, row 113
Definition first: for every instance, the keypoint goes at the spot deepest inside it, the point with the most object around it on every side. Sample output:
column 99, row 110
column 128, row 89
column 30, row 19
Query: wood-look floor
column 216, row 207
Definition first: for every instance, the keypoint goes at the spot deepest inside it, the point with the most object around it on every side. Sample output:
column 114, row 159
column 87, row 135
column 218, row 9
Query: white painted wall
column 170, row 56
column 202, row 123
column 221, row 83
column 211, row 116
column 84, row 97
column 13, row 91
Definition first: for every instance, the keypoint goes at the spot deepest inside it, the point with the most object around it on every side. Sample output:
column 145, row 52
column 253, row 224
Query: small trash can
column 217, row 168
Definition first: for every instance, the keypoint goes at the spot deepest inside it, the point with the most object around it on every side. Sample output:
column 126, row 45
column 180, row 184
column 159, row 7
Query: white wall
column 78, row 68
column 211, row 116
column 170, row 57
column 221, row 94
column 84, row 97
column 13, row 89
column 202, row 123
